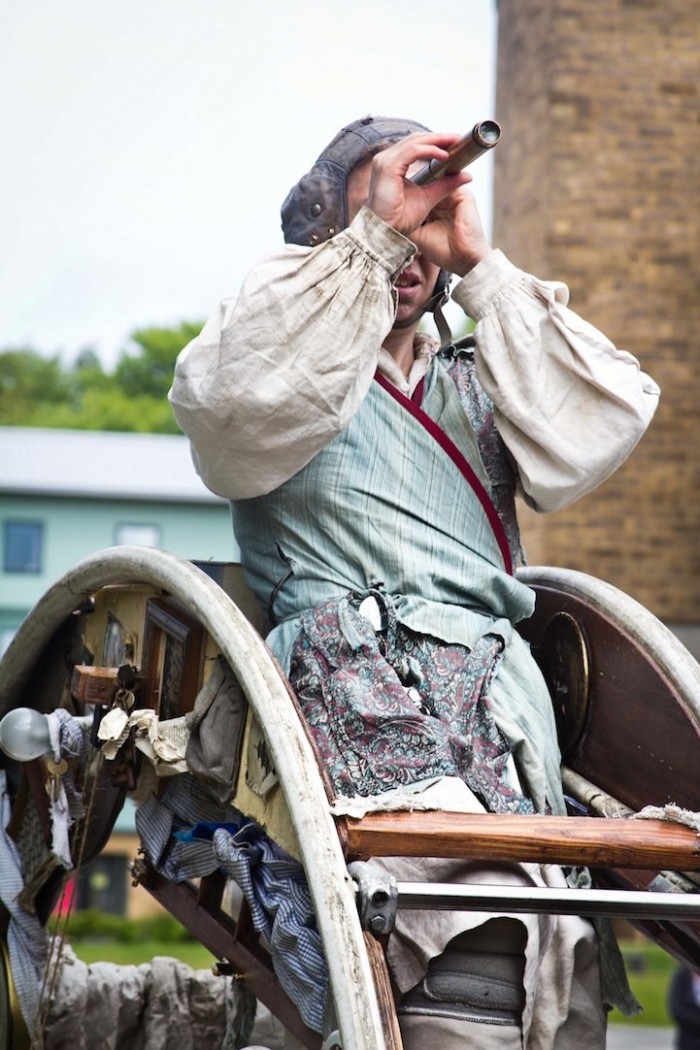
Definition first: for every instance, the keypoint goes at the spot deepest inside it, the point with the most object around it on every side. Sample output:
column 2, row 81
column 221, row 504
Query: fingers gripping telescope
column 481, row 138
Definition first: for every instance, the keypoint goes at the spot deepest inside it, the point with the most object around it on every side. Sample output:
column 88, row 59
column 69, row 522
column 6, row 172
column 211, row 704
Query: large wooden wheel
column 32, row 656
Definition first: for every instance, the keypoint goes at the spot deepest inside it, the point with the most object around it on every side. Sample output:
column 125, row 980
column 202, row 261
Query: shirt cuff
column 485, row 282
column 380, row 241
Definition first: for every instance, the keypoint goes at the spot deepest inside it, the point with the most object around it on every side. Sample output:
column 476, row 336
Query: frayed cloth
column 672, row 813
column 161, row 1005
column 438, row 793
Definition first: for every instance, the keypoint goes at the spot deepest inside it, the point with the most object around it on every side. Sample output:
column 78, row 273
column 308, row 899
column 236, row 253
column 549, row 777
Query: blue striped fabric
column 280, row 904
column 27, row 939
column 185, row 803
column 274, row 884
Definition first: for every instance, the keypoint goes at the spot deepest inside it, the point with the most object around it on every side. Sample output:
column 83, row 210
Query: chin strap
column 441, row 321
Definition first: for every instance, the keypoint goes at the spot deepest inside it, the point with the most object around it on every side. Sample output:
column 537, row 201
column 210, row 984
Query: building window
column 23, row 543
column 102, row 884
column 131, row 534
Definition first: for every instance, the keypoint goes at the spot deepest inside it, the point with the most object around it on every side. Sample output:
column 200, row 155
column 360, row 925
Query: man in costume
column 373, row 476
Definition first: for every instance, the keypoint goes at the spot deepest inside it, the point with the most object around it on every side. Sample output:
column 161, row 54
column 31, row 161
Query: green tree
column 28, row 380
column 111, row 409
column 39, row 391
column 149, row 371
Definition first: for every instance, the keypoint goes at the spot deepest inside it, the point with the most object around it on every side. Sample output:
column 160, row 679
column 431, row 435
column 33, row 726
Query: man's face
column 416, row 283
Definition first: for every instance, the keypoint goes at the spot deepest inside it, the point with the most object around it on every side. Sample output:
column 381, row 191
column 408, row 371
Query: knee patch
column 479, row 977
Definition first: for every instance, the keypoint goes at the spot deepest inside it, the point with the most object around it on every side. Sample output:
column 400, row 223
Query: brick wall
column 596, row 182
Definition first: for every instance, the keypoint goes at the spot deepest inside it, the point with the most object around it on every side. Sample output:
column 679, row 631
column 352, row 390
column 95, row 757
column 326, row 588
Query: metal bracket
column 377, row 897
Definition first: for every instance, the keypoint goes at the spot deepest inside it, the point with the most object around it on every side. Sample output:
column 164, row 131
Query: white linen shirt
column 277, row 373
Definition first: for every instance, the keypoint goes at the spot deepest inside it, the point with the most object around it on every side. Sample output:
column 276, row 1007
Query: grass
column 100, row 937
column 137, row 952
column 649, row 969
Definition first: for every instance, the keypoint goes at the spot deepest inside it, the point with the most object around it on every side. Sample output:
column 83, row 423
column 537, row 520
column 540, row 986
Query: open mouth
column 407, row 280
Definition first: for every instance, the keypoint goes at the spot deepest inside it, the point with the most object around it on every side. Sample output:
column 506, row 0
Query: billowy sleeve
column 277, row 373
column 568, row 404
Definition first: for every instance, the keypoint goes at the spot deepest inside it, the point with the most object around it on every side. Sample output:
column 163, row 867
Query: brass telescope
column 481, row 138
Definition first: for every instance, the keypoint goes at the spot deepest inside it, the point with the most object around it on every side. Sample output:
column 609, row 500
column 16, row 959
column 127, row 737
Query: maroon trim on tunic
column 417, row 395
column 459, row 460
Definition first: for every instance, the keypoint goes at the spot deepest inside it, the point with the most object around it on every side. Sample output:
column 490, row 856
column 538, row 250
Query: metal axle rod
column 636, row 904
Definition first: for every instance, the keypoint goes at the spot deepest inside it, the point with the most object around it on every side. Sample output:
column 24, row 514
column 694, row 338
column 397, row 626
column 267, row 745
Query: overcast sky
column 148, row 144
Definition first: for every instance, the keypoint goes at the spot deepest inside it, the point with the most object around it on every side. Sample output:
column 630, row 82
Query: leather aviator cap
column 316, row 208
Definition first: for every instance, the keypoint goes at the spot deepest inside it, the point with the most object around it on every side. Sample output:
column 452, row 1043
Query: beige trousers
column 563, row 1005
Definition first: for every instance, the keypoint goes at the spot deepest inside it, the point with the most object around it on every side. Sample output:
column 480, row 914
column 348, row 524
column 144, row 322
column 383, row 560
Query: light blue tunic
column 383, row 502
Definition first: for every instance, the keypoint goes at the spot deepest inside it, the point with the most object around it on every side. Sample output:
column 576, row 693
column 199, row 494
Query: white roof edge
column 99, row 464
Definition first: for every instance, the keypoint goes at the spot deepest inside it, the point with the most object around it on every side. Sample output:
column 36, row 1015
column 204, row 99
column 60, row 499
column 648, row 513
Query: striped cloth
column 187, row 834
column 27, row 939
column 165, row 828
column 280, row 905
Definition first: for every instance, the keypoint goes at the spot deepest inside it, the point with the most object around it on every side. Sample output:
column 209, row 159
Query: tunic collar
column 425, row 348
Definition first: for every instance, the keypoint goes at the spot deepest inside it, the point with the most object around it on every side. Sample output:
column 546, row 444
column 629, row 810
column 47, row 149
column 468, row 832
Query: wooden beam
column 648, row 844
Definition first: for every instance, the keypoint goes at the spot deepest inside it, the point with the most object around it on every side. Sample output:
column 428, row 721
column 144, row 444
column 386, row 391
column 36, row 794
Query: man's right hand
column 393, row 197
column 440, row 218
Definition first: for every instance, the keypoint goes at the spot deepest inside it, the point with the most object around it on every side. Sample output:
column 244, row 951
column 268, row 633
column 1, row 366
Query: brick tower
column 596, row 183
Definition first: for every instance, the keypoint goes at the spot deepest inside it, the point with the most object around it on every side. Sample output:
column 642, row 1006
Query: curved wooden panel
column 640, row 739
column 637, row 730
